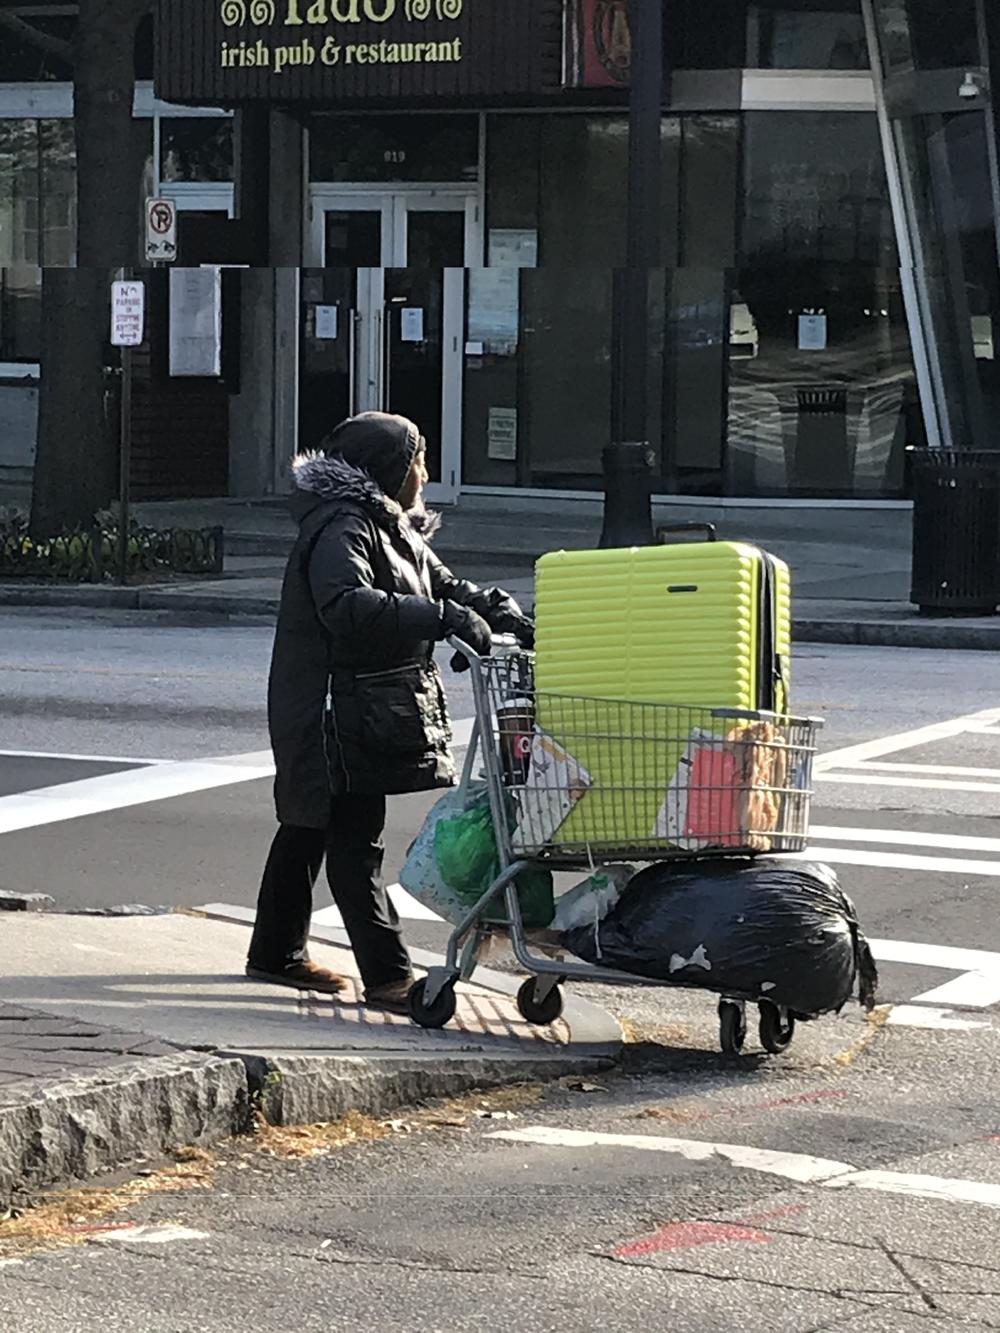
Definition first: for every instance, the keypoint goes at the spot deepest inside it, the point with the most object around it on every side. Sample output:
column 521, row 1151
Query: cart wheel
column 777, row 1027
column 732, row 1026
column 539, row 1014
column 436, row 1014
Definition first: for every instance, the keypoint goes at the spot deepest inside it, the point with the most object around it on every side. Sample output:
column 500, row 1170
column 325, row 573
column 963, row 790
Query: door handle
column 386, row 318
column 352, row 363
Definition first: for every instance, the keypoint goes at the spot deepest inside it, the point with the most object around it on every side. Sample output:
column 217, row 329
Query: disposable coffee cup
column 516, row 726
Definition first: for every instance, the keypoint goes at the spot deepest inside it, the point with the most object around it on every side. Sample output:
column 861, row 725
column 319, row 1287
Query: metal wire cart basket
column 574, row 781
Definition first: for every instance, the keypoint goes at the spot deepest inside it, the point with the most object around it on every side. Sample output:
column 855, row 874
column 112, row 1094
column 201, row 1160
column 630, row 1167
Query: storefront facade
column 441, row 197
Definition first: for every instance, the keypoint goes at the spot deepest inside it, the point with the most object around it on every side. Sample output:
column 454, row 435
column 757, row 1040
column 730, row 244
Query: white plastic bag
column 587, row 904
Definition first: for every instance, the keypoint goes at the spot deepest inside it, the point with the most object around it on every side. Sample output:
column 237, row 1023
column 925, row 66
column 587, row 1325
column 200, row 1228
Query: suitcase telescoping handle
column 708, row 529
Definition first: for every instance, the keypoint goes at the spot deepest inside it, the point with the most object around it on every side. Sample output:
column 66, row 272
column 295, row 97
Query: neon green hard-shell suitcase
column 704, row 623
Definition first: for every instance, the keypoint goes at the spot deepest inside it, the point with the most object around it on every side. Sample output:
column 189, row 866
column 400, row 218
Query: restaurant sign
column 351, row 50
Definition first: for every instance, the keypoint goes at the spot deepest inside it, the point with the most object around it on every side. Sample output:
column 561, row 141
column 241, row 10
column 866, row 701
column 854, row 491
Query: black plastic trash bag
column 752, row 929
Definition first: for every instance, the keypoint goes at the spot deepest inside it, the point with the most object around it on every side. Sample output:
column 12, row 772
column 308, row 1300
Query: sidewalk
column 850, row 567
column 124, row 1037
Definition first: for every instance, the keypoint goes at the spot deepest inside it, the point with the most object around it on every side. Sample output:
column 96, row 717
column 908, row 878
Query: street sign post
column 128, row 319
column 161, row 231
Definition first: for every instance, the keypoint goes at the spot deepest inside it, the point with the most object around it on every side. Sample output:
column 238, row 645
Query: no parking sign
column 161, row 231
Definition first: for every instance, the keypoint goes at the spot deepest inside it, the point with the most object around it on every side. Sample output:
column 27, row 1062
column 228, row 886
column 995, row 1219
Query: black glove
column 500, row 610
column 523, row 629
column 470, row 627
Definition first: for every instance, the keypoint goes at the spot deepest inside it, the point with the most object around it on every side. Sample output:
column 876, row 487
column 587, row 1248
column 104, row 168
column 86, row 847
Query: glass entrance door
column 382, row 314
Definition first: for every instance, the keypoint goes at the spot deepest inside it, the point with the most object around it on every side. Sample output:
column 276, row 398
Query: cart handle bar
column 507, row 641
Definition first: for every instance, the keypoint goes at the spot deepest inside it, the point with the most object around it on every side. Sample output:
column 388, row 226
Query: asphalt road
column 85, row 696
column 773, row 1198
column 853, row 1183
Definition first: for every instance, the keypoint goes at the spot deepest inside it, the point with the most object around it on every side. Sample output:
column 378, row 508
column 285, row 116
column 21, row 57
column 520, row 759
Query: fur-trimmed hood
column 321, row 478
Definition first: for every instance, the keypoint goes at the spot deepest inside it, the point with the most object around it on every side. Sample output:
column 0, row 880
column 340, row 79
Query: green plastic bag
column 465, row 851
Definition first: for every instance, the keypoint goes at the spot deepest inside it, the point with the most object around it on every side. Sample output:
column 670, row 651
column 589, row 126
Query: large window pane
column 568, row 177
column 821, row 385
column 58, row 179
column 19, row 185
column 37, row 192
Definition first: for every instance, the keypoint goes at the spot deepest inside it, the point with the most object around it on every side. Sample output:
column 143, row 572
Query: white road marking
column 799, row 1167
column 408, row 907
column 160, row 780
column 935, row 1020
column 906, row 740
column 906, row 837
column 941, row 956
column 148, row 1235
column 940, row 865
column 953, row 770
column 117, row 791
column 972, row 990
column 977, row 988
column 943, row 1188
column 81, row 758
column 862, row 779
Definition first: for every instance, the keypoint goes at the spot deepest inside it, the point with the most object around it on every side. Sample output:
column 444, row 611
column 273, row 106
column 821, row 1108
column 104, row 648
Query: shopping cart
column 576, row 783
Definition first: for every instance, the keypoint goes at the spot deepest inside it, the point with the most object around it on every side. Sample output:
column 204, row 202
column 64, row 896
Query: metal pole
column 629, row 461
column 125, row 459
column 630, row 309
column 645, row 223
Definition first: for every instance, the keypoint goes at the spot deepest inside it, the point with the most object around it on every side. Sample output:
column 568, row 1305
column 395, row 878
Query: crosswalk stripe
column 940, row 865
column 802, row 1168
column 799, row 1167
column 906, row 837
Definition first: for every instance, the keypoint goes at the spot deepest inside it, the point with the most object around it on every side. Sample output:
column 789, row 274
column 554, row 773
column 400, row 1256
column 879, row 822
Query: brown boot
column 393, row 998
column 301, row 976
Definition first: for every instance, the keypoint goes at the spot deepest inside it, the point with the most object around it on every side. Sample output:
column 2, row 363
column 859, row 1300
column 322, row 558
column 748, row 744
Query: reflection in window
column 800, row 36
column 196, row 149
column 37, row 192
column 822, row 399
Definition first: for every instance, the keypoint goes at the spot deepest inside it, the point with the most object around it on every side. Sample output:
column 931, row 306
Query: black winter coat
column 355, row 701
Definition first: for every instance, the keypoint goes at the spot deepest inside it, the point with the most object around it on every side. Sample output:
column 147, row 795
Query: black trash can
column 628, row 495
column 956, row 531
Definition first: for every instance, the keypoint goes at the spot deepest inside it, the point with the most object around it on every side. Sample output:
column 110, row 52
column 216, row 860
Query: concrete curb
column 596, row 1034
column 81, row 1126
column 295, row 1089
column 916, row 633
column 138, row 599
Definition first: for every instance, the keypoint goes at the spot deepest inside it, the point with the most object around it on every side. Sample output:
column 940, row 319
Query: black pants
column 352, row 844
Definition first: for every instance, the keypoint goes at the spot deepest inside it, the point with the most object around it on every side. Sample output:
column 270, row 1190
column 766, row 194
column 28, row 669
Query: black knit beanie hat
column 382, row 444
